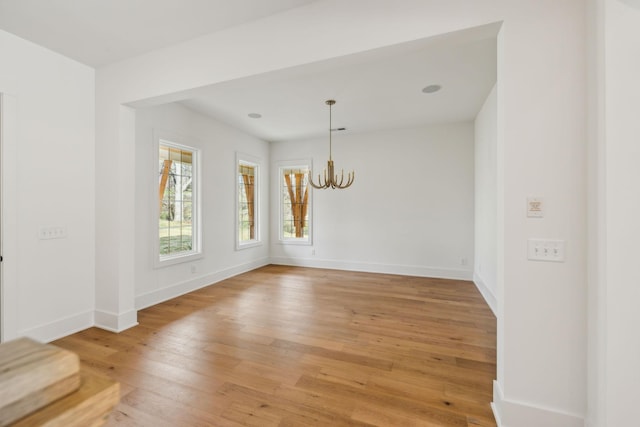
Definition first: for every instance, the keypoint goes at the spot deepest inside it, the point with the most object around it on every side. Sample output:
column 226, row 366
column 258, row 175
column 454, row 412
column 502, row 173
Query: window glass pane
column 295, row 203
column 176, row 199
column 247, row 213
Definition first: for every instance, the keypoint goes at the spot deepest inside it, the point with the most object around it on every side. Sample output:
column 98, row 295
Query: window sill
column 177, row 259
column 298, row 242
column 247, row 245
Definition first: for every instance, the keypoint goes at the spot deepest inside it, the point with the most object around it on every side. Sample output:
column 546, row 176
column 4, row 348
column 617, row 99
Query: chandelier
column 331, row 179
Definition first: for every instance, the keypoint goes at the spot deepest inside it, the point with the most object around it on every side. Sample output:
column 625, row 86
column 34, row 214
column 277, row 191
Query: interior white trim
column 256, row 162
column 173, row 139
column 60, row 328
column 9, row 217
column 510, row 413
column 406, row 270
column 115, row 322
column 488, row 296
column 279, row 167
column 155, row 297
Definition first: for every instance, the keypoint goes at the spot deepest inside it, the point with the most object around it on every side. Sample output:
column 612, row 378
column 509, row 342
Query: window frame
column 196, row 252
column 293, row 164
column 242, row 158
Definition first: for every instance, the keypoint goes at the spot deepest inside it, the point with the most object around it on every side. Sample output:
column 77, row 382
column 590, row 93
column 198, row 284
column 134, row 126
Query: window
column 178, row 201
column 247, row 179
column 295, row 218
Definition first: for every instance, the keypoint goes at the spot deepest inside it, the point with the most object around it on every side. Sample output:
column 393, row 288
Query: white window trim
column 178, row 141
column 292, row 164
column 256, row 162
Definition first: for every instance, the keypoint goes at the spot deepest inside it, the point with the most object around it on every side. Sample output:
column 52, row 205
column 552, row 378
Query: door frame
column 8, row 217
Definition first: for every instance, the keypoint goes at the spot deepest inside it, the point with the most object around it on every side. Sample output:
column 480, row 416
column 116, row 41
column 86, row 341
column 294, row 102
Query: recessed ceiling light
column 432, row 88
column 254, row 115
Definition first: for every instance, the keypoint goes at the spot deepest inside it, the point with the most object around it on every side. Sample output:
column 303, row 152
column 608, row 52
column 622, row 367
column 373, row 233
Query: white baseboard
column 165, row 294
column 488, row 296
column 60, row 328
column 406, row 270
column 115, row 322
column 520, row 414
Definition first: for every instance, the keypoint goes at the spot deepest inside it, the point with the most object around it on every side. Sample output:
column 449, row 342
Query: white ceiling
column 375, row 90
column 380, row 89
column 99, row 32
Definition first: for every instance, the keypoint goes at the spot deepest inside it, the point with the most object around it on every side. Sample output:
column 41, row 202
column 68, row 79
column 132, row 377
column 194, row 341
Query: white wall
column 486, row 194
column 541, row 98
column 218, row 144
column 409, row 211
column 615, row 348
column 48, row 176
column 542, row 152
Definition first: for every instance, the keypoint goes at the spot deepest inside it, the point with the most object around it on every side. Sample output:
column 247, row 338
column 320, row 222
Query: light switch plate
column 46, row 233
column 546, row 250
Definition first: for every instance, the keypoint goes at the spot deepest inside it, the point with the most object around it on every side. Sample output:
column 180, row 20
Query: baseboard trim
column 406, row 270
column 156, row 297
column 60, row 328
column 486, row 293
column 510, row 413
column 115, row 322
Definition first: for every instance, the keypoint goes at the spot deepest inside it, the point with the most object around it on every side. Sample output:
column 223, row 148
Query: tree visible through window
column 176, row 199
column 295, row 203
column 247, row 202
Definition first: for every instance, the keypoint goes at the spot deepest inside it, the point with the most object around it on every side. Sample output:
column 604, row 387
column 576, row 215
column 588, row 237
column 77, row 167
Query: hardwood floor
column 288, row 346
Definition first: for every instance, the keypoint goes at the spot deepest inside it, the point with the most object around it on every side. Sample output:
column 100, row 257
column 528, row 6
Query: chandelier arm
column 341, row 186
column 350, row 179
column 310, row 175
column 311, row 182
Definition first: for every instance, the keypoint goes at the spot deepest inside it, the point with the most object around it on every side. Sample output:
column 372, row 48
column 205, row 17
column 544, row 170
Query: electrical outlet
column 545, row 250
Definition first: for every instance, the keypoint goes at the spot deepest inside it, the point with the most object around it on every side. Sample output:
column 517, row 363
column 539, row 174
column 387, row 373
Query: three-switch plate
column 45, row 233
column 545, row 250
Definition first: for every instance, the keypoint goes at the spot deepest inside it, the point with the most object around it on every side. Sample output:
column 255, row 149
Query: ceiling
column 99, row 32
column 374, row 90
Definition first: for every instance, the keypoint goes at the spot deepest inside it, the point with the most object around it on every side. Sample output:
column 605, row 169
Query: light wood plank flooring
column 288, row 346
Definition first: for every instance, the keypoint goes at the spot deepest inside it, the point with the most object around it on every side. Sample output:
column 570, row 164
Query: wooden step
column 89, row 406
column 32, row 375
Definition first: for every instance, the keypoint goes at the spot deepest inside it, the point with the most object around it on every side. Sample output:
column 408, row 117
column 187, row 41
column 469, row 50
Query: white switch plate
column 545, row 250
column 46, row 233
